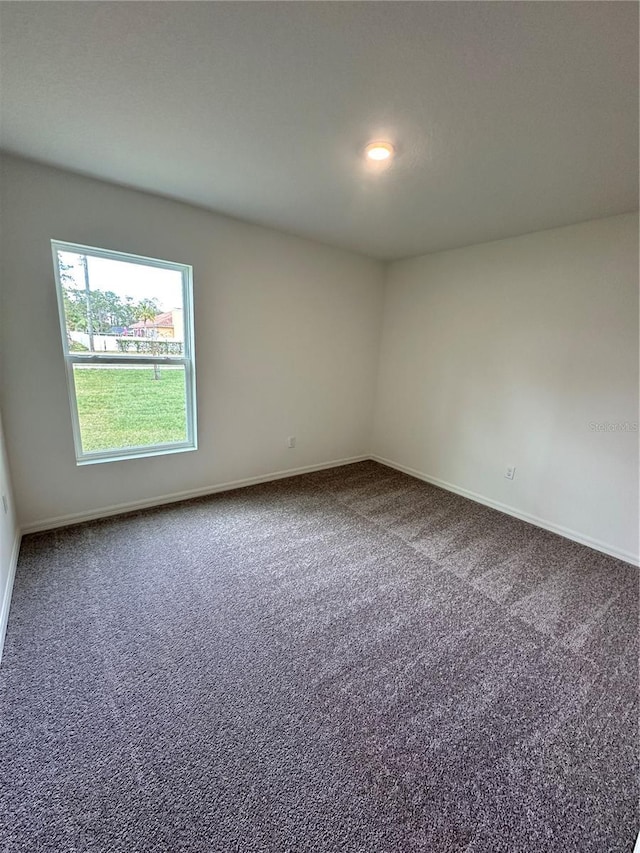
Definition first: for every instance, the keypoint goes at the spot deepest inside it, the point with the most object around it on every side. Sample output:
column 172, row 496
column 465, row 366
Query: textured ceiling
column 507, row 117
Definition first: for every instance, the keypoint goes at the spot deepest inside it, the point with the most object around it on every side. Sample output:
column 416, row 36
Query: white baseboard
column 574, row 535
column 174, row 497
column 8, row 589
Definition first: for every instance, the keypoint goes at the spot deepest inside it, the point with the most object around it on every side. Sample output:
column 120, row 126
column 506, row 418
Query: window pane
column 114, row 306
column 121, row 407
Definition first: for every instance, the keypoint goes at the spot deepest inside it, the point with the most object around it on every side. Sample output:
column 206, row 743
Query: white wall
column 287, row 334
column 9, row 539
column 494, row 355
column 504, row 354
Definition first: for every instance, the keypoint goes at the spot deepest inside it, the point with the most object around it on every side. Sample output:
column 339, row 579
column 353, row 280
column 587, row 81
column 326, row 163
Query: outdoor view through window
column 127, row 336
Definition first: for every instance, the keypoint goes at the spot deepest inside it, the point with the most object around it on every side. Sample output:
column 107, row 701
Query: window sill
column 134, row 453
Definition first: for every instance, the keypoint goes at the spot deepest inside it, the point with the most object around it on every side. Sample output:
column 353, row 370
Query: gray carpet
column 351, row 661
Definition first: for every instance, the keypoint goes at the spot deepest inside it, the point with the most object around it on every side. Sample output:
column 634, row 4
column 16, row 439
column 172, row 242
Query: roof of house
column 164, row 319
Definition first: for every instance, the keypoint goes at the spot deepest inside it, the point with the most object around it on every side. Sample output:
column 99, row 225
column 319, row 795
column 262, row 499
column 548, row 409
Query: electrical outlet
column 510, row 473
column 291, row 441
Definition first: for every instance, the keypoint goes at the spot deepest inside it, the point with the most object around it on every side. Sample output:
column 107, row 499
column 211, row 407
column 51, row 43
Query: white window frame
column 187, row 359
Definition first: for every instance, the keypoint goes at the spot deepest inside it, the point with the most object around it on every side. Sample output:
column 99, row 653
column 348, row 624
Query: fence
column 139, row 346
column 144, row 346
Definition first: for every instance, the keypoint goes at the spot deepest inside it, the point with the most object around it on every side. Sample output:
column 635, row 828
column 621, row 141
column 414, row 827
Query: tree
column 94, row 311
column 87, row 295
column 75, row 302
column 75, row 310
column 100, row 310
column 147, row 310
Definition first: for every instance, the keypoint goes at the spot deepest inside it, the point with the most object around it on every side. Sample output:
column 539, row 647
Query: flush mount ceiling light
column 379, row 151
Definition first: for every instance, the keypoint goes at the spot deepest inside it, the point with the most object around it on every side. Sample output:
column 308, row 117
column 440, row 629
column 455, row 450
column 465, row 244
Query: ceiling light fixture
column 379, row 151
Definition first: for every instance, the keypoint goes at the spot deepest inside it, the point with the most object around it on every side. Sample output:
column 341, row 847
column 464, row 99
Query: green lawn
column 124, row 407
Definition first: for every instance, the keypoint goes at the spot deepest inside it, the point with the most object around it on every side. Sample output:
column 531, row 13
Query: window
column 127, row 335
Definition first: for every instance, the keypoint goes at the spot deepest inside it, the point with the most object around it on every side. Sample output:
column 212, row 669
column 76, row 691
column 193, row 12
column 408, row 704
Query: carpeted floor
column 346, row 661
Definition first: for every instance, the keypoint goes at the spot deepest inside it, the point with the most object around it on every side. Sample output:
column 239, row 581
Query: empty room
column 319, row 389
